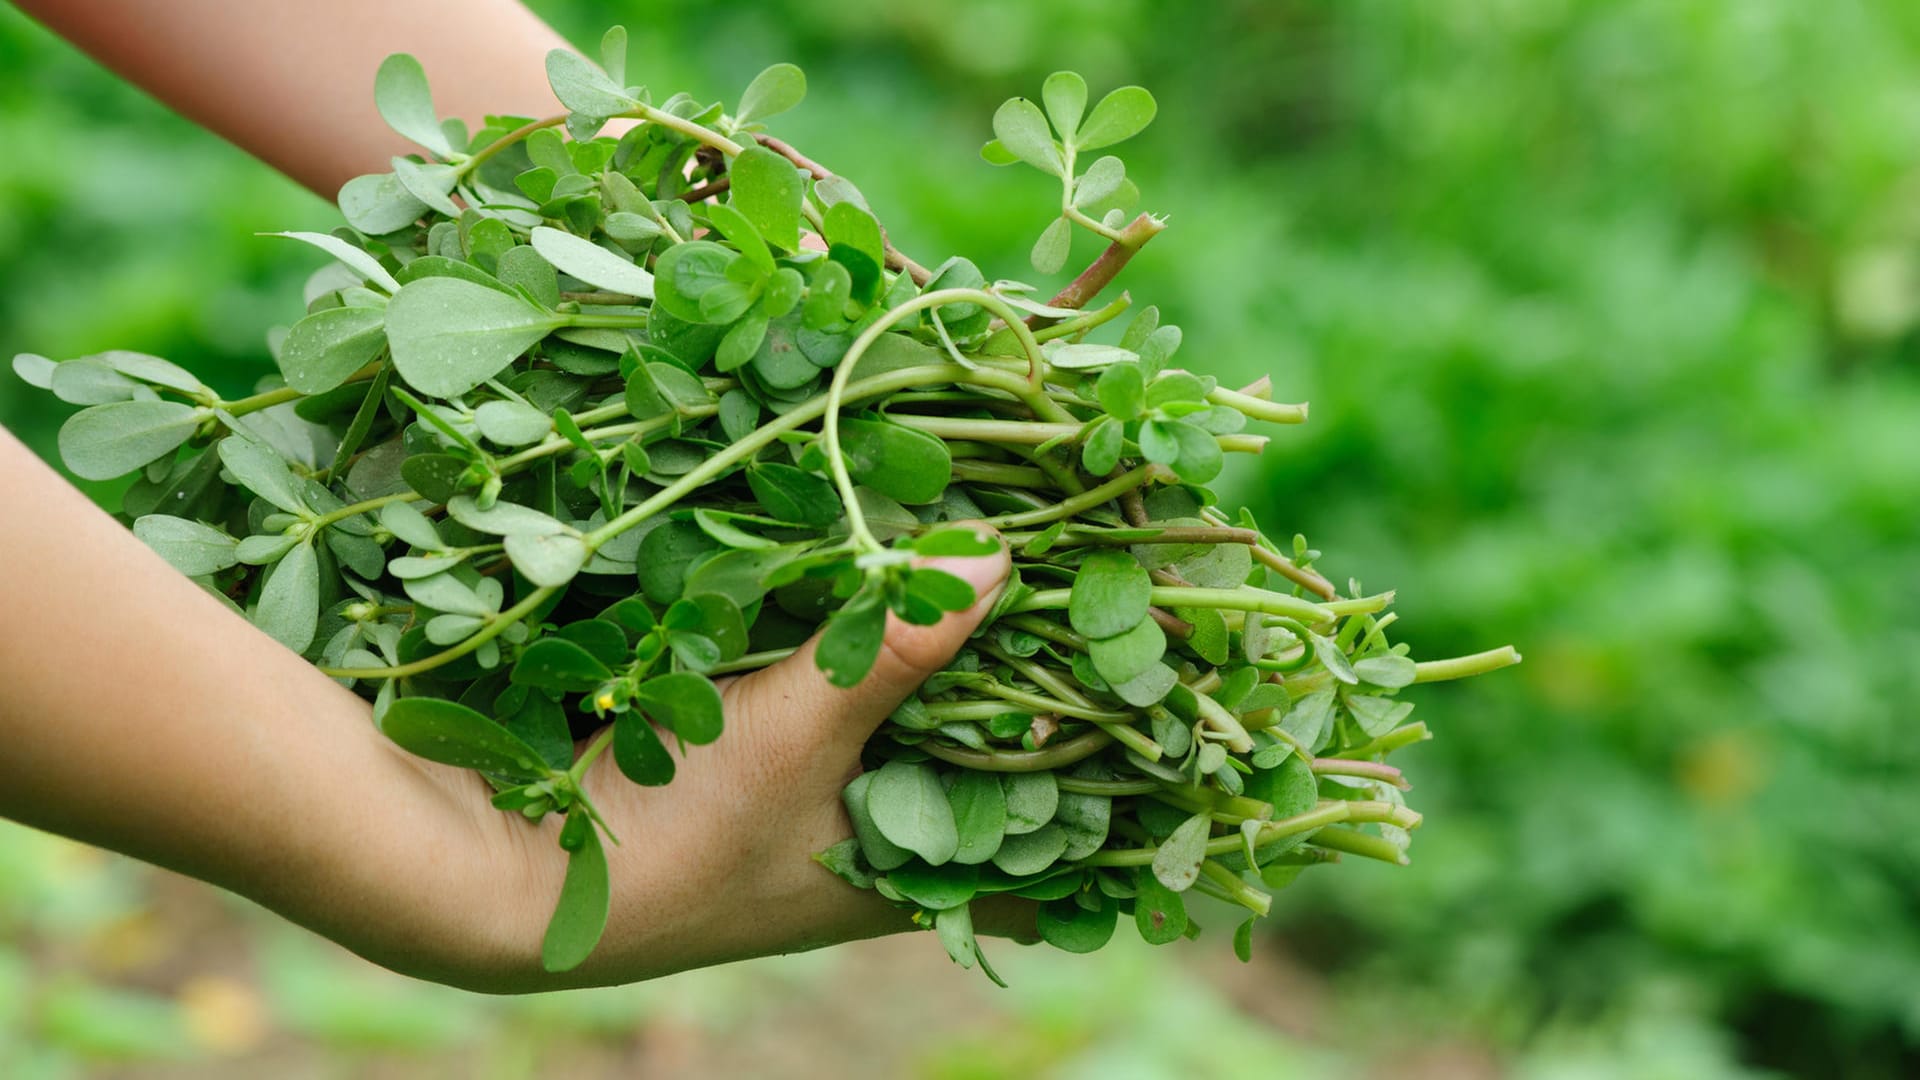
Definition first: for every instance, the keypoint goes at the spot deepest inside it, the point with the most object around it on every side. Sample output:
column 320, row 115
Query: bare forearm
column 292, row 82
column 140, row 715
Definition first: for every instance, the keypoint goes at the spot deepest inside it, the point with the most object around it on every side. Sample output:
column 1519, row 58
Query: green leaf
column 1065, row 925
column 1177, row 860
column 845, row 862
column 558, row 664
column 1084, row 355
column 1021, row 130
column 378, row 204
column 1087, row 820
column 90, row 382
column 264, row 549
column 827, row 296
column 580, row 917
column 261, row 470
column 936, row 888
column 979, row 813
column 741, row 233
column 638, row 751
column 791, row 493
column 687, row 703
column 1024, row 854
column 1389, row 671
column 613, row 53
column 503, row 518
column 1158, row 912
column 772, row 92
column 512, row 423
column 1198, row 458
column 591, row 263
column 34, row 370
column 1148, row 687
column 1105, row 442
column 685, row 273
column 400, row 93
column 910, row 809
column 940, row 589
column 324, row 348
column 361, row 261
column 452, row 734
column 289, row 610
column 961, row 541
column 1377, row 715
column 1101, row 180
column 742, row 342
column 1065, row 94
column 432, row 184
column 905, row 465
column 1121, row 391
column 433, row 476
column 851, row 641
column 107, row 441
column 954, row 926
column 188, row 546
column 523, row 267
column 727, row 533
column 1290, row 786
column 767, row 189
column 993, row 153
column 1032, row 798
column 549, row 560
column 449, row 336
column 850, row 226
column 1110, row 594
column 1333, row 658
column 881, row 853
column 1120, row 115
column 1055, row 243
column 583, row 88
column 1243, row 940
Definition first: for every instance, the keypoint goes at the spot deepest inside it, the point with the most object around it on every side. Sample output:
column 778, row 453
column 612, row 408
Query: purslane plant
column 577, row 421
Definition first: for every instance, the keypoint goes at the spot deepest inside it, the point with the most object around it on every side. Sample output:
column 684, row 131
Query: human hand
column 717, row 865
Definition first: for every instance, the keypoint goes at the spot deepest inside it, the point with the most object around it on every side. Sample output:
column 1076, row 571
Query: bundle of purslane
column 580, row 420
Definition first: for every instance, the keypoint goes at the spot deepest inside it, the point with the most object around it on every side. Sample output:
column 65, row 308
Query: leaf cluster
column 574, row 423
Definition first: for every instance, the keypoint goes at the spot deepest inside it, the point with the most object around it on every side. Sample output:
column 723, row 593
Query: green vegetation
column 541, row 463
column 1606, row 317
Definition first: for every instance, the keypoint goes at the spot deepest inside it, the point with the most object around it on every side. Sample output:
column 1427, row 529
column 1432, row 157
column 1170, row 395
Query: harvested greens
column 578, row 421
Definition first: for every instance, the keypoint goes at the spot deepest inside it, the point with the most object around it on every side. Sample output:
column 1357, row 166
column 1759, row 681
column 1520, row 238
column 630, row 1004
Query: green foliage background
column 1607, row 313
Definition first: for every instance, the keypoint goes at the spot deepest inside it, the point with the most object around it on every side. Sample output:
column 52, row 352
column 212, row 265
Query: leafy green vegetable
column 562, row 438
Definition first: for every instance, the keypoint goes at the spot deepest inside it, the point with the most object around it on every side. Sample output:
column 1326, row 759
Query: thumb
column 813, row 711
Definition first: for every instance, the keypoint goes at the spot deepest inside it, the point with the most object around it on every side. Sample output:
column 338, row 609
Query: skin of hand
column 142, row 715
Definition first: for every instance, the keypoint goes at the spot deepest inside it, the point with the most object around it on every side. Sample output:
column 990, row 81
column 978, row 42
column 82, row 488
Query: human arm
column 292, row 82
column 141, row 715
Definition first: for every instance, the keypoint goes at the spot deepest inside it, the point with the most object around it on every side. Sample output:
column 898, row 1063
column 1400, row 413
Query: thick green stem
column 264, row 400
column 1461, row 667
column 1405, row 735
column 1319, row 818
column 1057, row 756
column 1273, row 412
column 1236, row 888
column 1242, row 599
column 793, row 420
column 1086, row 500
column 1355, row 842
column 494, row 628
column 836, row 396
column 1370, row 770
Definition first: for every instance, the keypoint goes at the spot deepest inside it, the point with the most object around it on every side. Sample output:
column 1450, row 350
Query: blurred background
column 1607, row 312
